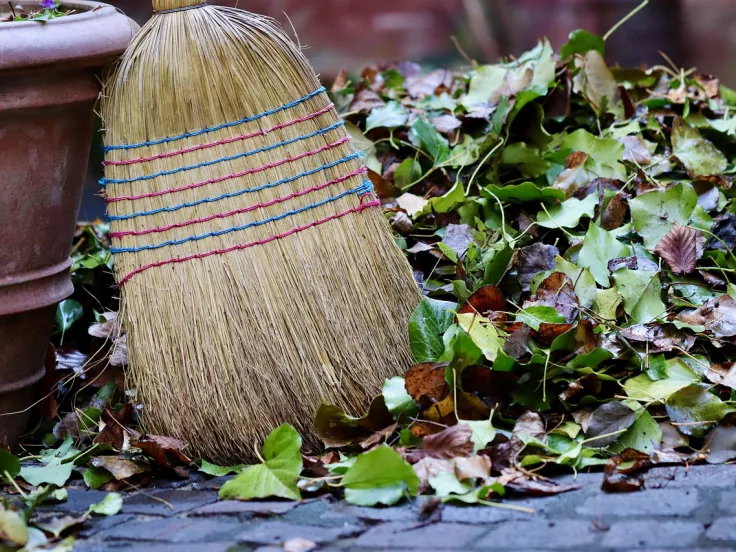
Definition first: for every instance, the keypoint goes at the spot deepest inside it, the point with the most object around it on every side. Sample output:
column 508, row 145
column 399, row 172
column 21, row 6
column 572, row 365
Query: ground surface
column 685, row 509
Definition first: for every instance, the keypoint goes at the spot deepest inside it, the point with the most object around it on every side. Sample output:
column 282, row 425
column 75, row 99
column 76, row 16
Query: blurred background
column 353, row 33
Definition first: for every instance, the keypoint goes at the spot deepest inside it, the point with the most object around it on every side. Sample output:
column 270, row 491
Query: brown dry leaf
column 487, row 301
column 627, row 462
column 723, row 374
column 491, row 387
column 113, row 427
column 671, row 437
column 424, row 429
column 557, row 291
column 717, row 315
column 427, row 85
column 539, row 487
column 636, row 150
column 341, row 81
column 583, row 417
column 532, row 260
column 426, row 382
column 70, row 359
column 475, row 467
column 119, row 468
column 68, row 425
column 365, row 100
column 621, row 483
column 679, row 247
column 659, row 339
column 530, row 423
column 119, row 351
column 411, row 203
column 503, row 455
column 379, row 436
column 428, row 467
column 576, row 160
column 452, row 442
column 112, row 327
column 446, row 123
column 614, row 215
column 517, row 342
column 166, row 451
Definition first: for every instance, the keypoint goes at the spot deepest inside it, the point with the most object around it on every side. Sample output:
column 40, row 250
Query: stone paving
column 681, row 509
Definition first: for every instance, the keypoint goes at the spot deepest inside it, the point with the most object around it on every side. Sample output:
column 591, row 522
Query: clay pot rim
column 91, row 38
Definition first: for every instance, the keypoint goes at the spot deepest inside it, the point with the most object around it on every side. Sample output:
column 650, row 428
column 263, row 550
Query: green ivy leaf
column 9, row 463
column 599, row 247
column 426, row 136
column 110, row 505
column 379, row 477
column 642, row 293
column 427, row 324
column 527, row 160
column 397, row 400
column 535, row 316
column 643, row 389
column 53, row 473
column 696, row 410
column 522, row 193
column 67, row 313
column 581, row 42
column 219, row 471
column 699, row 156
column 96, row 477
column 277, row 476
column 446, row 484
column 644, row 435
column 568, row 213
column 483, row 333
column 391, row 115
column 655, row 213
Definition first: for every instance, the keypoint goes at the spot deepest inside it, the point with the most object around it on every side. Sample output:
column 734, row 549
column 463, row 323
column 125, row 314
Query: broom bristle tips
column 166, row 5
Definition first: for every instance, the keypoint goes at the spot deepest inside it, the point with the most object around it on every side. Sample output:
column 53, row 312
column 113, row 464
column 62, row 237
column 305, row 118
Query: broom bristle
column 257, row 277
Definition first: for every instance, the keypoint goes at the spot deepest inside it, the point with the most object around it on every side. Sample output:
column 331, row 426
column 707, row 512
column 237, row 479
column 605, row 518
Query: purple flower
column 48, row 4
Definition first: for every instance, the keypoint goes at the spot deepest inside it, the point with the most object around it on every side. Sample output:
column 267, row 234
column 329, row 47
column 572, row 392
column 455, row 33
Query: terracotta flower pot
column 48, row 88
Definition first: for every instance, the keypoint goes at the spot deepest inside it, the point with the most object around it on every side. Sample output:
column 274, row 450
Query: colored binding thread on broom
column 223, row 141
column 365, row 188
column 105, row 181
column 218, row 127
column 231, row 176
column 248, row 209
column 358, row 209
column 238, row 193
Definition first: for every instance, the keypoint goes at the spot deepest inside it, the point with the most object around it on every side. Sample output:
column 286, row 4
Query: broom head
column 258, row 274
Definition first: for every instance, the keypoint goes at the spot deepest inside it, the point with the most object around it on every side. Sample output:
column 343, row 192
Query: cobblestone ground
column 681, row 509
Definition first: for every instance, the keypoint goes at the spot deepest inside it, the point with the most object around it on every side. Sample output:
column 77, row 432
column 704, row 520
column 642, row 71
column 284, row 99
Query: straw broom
column 258, row 274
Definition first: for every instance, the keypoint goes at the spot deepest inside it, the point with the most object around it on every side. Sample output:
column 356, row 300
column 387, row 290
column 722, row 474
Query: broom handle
column 167, row 6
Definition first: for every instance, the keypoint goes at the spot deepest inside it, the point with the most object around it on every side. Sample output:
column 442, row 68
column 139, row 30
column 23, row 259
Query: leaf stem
column 626, row 19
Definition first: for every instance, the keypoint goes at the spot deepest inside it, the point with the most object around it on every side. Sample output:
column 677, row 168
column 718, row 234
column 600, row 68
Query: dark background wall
column 354, row 33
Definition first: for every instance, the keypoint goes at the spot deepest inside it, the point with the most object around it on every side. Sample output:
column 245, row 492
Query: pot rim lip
column 91, row 11
column 88, row 39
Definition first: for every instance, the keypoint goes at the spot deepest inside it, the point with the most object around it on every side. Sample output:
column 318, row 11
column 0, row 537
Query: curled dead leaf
column 452, row 442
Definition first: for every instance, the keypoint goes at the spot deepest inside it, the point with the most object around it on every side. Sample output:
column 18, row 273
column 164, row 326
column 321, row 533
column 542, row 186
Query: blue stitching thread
column 238, row 193
column 219, row 127
column 364, row 188
column 104, row 181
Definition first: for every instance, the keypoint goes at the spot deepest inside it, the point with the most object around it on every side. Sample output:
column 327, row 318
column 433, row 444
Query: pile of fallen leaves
column 572, row 226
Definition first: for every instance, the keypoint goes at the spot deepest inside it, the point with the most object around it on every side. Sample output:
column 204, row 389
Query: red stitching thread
column 250, row 244
column 223, row 141
column 300, row 193
column 231, row 176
